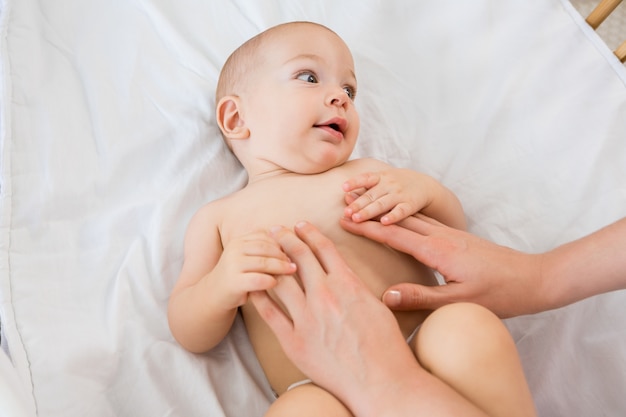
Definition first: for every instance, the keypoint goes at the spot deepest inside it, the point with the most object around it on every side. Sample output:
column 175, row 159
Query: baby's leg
column 307, row 400
column 470, row 349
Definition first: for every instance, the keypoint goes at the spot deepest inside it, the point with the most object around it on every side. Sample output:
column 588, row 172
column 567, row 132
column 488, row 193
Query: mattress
column 109, row 144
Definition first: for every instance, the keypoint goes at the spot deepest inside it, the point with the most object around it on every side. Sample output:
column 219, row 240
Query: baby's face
column 299, row 103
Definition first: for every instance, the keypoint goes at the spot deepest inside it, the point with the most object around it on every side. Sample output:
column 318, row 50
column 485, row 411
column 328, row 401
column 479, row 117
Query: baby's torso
column 318, row 199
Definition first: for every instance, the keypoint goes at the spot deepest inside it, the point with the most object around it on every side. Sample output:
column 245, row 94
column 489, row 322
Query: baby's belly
column 378, row 267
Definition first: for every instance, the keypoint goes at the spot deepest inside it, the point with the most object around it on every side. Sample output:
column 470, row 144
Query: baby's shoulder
column 360, row 165
column 213, row 211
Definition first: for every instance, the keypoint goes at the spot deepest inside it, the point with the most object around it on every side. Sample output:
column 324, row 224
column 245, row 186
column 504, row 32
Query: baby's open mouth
column 337, row 124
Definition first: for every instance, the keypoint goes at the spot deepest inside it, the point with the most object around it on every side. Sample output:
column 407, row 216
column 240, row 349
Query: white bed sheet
column 109, row 145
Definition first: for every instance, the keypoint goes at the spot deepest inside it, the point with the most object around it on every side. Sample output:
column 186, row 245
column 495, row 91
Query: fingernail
column 275, row 229
column 301, row 224
column 392, row 298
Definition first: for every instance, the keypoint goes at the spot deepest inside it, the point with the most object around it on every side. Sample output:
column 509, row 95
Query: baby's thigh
column 461, row 337
column 307, row 400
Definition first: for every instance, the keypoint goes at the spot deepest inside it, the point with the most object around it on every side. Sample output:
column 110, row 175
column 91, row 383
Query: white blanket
column 109, row 145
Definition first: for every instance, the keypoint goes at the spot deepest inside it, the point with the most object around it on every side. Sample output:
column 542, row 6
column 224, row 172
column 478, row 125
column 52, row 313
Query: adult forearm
column 588, row 266
column 409, row 391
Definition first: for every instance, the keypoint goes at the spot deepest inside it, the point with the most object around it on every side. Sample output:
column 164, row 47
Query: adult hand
column 345, row 339
column 506, row 281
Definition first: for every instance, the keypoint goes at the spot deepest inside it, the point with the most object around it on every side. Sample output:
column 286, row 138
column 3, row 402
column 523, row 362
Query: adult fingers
column 273, row 315
column 394, row 235
column 413, row 236
column 325, row 251
column 408, row 296
column 421, row 224
column 308, row 266
column 290, row 295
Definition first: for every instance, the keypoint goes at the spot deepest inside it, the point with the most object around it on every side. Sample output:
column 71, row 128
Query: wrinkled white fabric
column 109, row 145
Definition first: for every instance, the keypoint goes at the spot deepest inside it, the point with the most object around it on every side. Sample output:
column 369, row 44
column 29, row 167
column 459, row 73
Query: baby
column 285, row 106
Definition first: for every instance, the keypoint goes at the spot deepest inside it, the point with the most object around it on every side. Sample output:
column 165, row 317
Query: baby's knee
column 463, row 318
column 461, row 332
column 307, row 400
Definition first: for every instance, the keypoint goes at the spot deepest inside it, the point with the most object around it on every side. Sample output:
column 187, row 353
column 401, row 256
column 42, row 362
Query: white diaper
column 297, row 384
column 294, row 385
column 412, row 335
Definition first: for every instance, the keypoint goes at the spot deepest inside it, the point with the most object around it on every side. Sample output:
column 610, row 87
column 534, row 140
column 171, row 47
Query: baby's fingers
column 260, row 244
column 370, row 205
column 261, row 276
column 268, row 265
column 366, row 180
column 351, row 196
column 398, row 213
column 361, row 193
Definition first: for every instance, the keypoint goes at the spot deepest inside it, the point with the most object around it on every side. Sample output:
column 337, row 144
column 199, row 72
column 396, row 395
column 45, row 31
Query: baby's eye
column 307, row 76
column 350, row 91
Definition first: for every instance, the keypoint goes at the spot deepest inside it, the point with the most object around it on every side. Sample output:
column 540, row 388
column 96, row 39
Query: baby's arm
column 213, row 282
column 396, row 193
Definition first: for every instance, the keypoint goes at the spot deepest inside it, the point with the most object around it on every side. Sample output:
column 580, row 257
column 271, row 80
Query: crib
column 108, row 145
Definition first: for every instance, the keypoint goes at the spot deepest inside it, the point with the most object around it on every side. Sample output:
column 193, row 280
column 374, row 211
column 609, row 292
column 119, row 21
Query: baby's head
column 291, row 82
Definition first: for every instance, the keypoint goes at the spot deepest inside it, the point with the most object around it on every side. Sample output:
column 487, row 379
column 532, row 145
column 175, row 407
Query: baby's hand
column 392, row 195
column 249, row 263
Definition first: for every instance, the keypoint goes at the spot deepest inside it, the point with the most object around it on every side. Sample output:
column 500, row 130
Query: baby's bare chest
column 321, row 203
column 284, row 203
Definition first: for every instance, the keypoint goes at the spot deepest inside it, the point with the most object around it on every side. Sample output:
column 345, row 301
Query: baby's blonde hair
column 246, row 57
column 238, row 64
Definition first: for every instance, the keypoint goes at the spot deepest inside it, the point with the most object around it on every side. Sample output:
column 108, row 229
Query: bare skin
column 467, row 365
column 228, row 222
column 506, row 281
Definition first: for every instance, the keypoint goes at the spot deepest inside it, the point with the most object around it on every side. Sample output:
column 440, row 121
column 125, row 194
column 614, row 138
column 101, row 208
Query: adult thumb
column 407, row 296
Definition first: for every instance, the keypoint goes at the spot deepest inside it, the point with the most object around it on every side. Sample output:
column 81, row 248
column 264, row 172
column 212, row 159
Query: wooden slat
column 601, row 12
column 621, row 52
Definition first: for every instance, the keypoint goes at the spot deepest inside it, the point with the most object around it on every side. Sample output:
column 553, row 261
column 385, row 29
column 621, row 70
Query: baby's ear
column 229, row 118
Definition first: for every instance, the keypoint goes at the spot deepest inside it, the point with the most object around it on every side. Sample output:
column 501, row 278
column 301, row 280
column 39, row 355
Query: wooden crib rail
column 599, row 14
column 620, row 52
